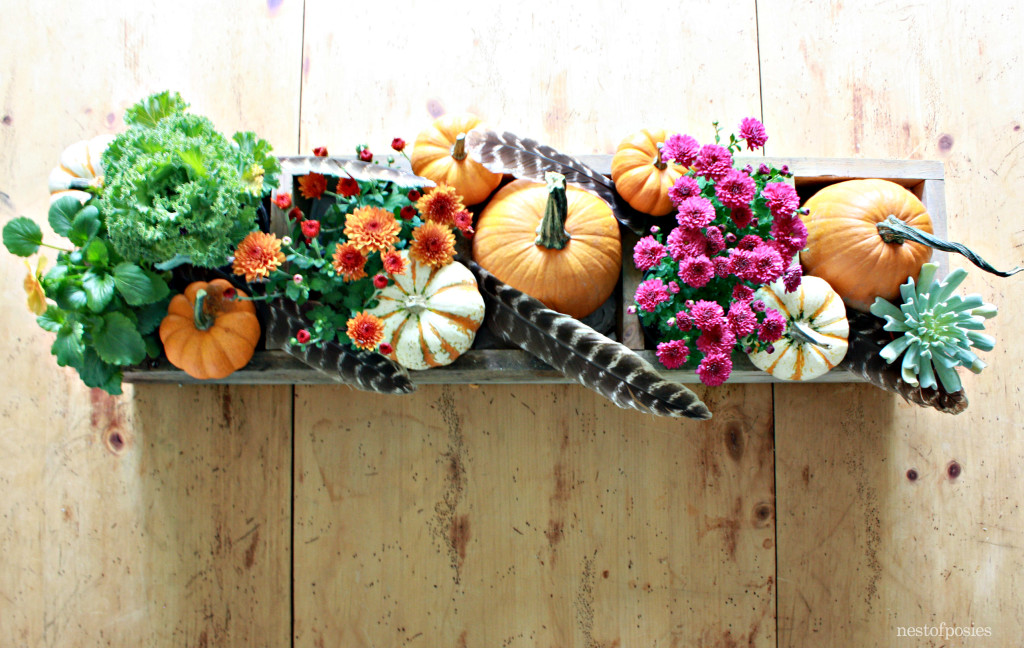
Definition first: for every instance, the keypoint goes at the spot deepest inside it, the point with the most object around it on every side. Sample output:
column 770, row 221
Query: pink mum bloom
column 753, row 132
column 742, row 320
column 650, row 293
column 683, row 321
column 706, row 314
column 790, row 235
column 792, row 277
column 713, row 162
column 721, row 264
column 714, row 370
column 772, row 327
column 736, row 189
column 683, row 242
column 768, row 265
column 681, row 149
column 717, row 339
column 685, row 187
column 714, row 241
column 741, row 215
column 741, row 262
column 742, row 293
column 750, row 242
column 648, row 253
column 695, row 212
column 781, row 198
column 696, row 271
column 673, row 353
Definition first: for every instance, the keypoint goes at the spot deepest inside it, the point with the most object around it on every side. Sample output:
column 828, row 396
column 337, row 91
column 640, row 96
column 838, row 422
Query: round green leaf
column 62, row 214
column 22, row 236
column 117, row 341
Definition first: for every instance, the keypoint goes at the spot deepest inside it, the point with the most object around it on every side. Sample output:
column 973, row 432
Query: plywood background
column 501, row 515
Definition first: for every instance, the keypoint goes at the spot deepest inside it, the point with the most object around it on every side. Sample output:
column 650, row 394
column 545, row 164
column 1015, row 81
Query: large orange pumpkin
column 850, row 246
column 439, row 154
column 560, row 245
column 206, row 335
column 641, row 177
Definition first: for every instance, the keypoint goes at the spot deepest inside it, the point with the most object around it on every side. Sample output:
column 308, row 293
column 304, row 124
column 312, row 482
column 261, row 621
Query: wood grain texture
column 863, row 549
column 535, row 517
column 141, row 540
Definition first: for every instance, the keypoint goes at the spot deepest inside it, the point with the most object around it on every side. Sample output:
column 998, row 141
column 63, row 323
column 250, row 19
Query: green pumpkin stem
column 551, row 232
column 459, row 150
column 800, row 332
column 894, row 230
column 659, row 162
column 202, row 320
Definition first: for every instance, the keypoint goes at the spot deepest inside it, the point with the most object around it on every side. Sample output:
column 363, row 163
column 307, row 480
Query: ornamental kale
column 176, row 189
column 736, row 230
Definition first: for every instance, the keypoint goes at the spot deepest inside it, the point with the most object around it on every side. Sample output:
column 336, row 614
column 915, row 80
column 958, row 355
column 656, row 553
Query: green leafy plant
column 104, row 309
column 179, row 191
column 938, row 329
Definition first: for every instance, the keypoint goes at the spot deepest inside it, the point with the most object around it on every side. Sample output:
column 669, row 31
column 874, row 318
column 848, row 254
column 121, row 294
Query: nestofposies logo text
column 943, row 630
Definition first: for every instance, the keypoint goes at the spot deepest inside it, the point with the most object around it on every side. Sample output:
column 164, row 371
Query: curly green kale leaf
column 177, row 187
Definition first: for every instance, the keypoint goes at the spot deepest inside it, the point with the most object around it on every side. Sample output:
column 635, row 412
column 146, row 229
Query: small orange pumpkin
column 560, row 245
column 848, row 244
column 439, row 154
column 206, row 335
column 641, row 177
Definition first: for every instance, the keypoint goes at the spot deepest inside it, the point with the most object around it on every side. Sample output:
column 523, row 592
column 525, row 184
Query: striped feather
column 528, row 159
column 361, row 369
column 581, row 353
column 300, row 165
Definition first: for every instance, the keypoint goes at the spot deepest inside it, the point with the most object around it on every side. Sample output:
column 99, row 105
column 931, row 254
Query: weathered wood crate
column 512, row 366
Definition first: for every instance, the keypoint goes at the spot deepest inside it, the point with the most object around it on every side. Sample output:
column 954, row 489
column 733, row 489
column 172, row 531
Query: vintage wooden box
column 512, row 366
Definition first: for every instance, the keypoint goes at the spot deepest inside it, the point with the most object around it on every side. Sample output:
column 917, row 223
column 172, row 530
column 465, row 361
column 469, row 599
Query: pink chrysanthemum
column 673, row 354
column 742, row 320
column 673, row 287
column 706, row 314
column 713, row 162
column 717, row 339
column 792, row 277
column 742, row 293
column 752, row 131
column 683, row 242
column 696, row 271
column 736, row 189
column 648, row 253
column 685, row 187
column 768, row 265
column 714, row 241
column 790, row 236
column 650, row 293
column 781, row 198
column 695, row 212
column 683, row 321
column 741, row 262
column 714, row 370
column 681, row 149
column 772, row 327
column 741, row 215
column 750, row 242
column 721, row 264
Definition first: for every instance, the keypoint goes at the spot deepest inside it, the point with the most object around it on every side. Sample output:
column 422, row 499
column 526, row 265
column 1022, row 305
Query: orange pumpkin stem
column 459, row 149
column 551, row 233
column 202, row 319
column 659, row 162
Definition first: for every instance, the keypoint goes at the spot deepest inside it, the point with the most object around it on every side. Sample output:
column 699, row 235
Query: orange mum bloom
column 433, row 244
column 365, row 330
column 440, row 204
column 372, row 228
column 257, row 256
column 313, row 185
column 349, row 262
column 394, row 262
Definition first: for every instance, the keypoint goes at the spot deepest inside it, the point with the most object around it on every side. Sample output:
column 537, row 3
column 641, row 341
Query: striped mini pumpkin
column 79, row 167
column 430, row 315
column 817, row 331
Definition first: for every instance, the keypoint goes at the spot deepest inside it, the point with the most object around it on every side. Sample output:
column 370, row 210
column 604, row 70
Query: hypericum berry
column 310, row 228
column 380, row 281
column 407, row 212
column 320, row 151
column 366, row 155
column 385, row 348
column 398, row 144
column 302, row 336
column 297, row 279
column 414, row 195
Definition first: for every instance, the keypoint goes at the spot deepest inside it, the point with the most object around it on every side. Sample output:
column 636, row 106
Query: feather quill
column 581, row 353
column 867, row 337
column 528, row 159
column 361, row 369
column 300, row 165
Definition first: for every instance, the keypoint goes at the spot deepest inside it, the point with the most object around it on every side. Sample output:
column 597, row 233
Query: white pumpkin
column 79, row 167
column 430, row 315
column 817, row 331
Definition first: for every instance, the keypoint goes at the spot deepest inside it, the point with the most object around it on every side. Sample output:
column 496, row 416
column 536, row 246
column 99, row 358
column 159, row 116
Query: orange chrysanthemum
column 440, row 204
column 257, row 256
column 432, row 244
column 349, row 262
column 372, row 228
column 312, row 185
column 394, row 262
column 365, row 330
